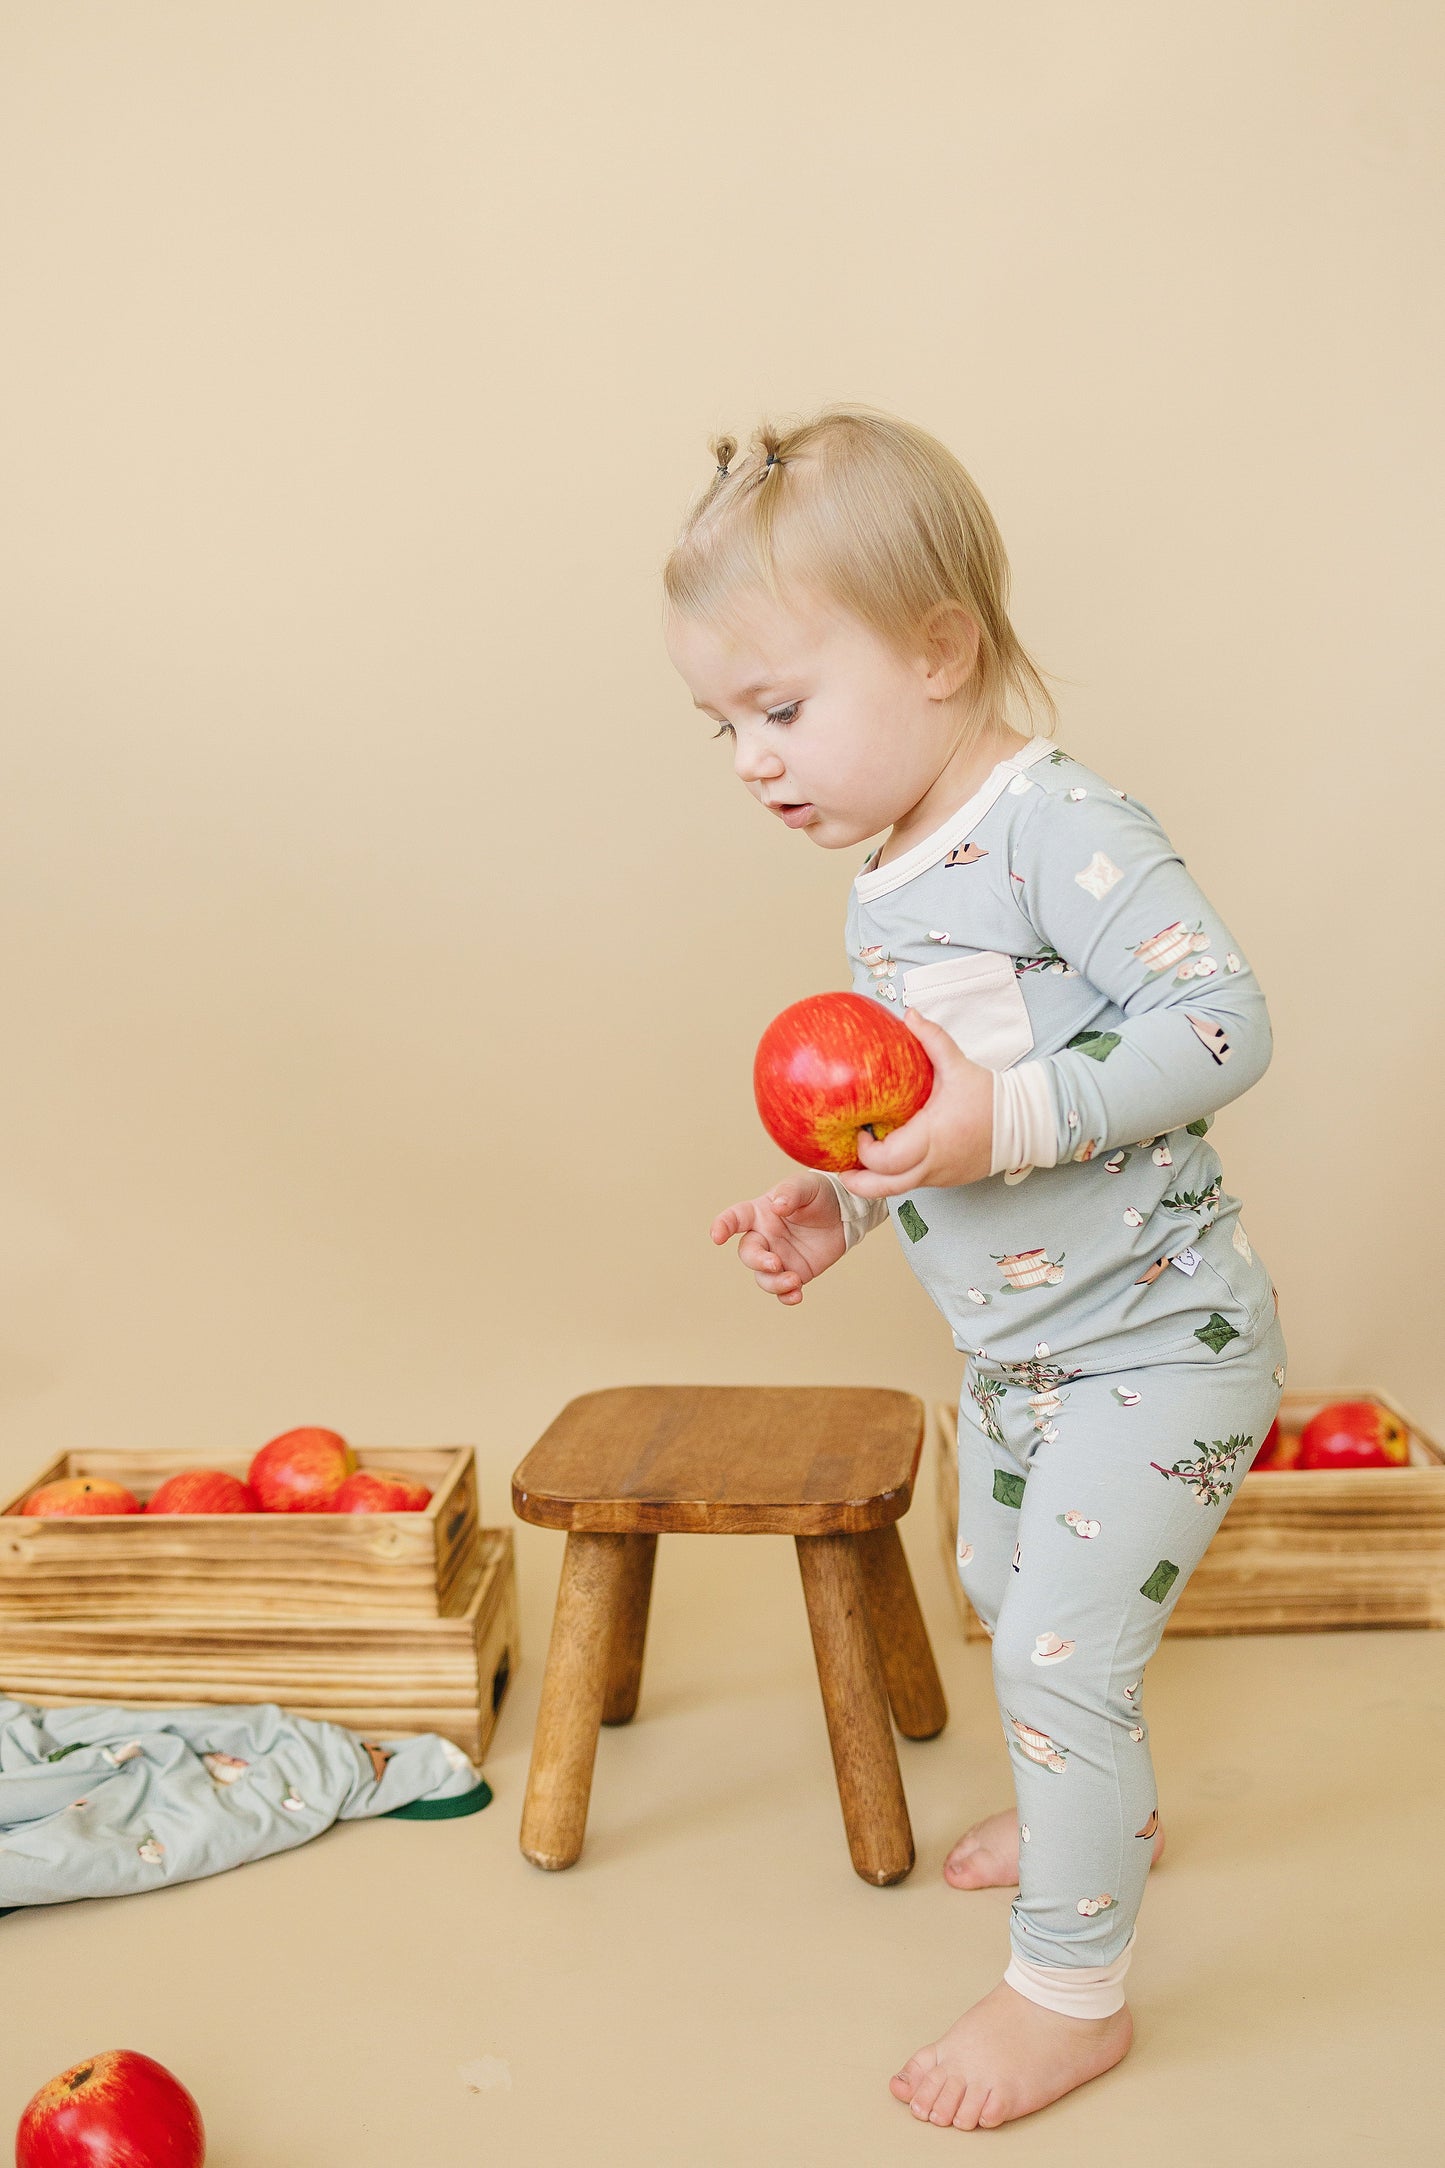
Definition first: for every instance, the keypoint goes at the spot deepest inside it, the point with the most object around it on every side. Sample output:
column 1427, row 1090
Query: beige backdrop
column 387, row 941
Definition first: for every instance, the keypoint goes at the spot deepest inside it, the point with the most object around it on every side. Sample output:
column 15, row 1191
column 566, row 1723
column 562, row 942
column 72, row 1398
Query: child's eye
column 784, row 714
column 721, row 728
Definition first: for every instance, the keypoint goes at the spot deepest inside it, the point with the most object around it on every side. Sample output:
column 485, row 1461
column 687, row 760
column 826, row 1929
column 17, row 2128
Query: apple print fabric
column 1050, row 923
column 1074, row 1548
column 104, row 1801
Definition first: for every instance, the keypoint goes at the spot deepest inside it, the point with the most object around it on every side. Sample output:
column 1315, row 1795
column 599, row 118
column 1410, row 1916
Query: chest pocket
column 978, row 1001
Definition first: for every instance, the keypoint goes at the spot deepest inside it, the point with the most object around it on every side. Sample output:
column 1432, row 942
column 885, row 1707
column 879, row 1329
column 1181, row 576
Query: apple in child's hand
column 1354, row 1434
column 830, row 1066
column 80, row 1495
column 203, row 1490
column 380, row 1490
column 1279, row 1452
column 301, row 1471
column 118, row 2110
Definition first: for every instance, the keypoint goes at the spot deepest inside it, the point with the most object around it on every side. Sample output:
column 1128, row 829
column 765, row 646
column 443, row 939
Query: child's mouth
column 794, row 816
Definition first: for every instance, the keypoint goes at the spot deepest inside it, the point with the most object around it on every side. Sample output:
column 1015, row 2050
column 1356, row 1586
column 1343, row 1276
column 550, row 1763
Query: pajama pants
column 1085, row 1503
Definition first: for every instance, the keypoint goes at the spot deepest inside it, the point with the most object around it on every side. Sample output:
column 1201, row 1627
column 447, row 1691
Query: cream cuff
column 1075, row 1990
column 1024, row 1134
column 860, row 1214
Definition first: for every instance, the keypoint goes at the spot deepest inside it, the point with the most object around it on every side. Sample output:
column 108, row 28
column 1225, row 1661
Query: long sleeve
column 1182, row 1026
column 860, row 1214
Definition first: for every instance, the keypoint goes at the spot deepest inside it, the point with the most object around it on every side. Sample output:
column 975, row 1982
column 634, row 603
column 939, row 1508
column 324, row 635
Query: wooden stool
column 830, row 1465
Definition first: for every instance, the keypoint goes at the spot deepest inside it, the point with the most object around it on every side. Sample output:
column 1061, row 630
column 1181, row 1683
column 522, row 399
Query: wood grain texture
column 855, row 1703
column 1318, row 1551
column 564, row 1745
column 634, row 1597
column 244, row 1565
column 725, row 1460
column 915, row 1691
column 382, row 1676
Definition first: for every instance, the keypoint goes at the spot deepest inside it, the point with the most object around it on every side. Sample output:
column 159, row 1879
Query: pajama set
column 1123, row 1352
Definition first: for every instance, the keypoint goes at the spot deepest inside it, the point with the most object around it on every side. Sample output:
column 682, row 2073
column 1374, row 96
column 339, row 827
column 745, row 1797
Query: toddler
column 837, row 603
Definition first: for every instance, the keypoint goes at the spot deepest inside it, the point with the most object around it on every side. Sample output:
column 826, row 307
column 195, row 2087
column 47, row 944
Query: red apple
column 81, row 1494
column 203, row 1490
column 830, row 1066
column 1354, row 1434
column 119, row 2110
column 1279, row 1452
column 301, row 1471
column 380, row 1490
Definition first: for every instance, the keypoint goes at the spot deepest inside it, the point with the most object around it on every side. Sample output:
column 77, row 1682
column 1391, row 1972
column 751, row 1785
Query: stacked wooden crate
column 389, row 1623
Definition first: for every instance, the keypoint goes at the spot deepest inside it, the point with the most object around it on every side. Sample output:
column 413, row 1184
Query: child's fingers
column 754, row 1252
column 735, row 1220
column 902, row 1149
column 863, row 1182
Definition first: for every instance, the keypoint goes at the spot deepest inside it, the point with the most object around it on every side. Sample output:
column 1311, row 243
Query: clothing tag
column 1187, row 1261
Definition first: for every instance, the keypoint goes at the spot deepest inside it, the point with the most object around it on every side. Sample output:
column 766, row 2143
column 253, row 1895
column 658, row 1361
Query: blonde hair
column 870, row 512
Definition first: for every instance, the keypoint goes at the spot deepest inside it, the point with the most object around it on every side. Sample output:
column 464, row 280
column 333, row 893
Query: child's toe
column 945, row 2107
column 993, row 2112
column 969, row 2113
column 912, row 2074
column 927, row 2090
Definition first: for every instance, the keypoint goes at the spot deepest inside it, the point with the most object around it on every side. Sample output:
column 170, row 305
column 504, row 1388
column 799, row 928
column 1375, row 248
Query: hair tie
column 721, row 468
column 771, row 461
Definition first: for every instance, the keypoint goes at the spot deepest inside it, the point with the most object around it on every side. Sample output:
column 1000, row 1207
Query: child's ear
column 950, row 648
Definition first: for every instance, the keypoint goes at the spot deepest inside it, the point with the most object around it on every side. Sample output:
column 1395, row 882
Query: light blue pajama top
column 1051, row 921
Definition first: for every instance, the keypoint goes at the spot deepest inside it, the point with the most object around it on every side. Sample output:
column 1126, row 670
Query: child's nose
column 756, row 763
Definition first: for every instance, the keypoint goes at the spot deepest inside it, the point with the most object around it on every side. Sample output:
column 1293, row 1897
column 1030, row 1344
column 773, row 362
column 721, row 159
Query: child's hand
column 789, row 1236
column 949, row 1140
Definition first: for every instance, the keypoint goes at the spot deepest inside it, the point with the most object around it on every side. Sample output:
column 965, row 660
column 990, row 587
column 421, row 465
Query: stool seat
column 833, row 1467
column 787, row 1460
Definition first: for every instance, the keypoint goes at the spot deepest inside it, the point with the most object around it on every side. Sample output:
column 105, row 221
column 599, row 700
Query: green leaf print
column 1199, row 1128
column 1009, row 1489
column 911, row 1220
column 1056, row 756
column 1192, row 1200
column 61, row 1751
column 1160, row 1581
column 1098, row 1045
column 1217, row 1333
column 1205, row 1471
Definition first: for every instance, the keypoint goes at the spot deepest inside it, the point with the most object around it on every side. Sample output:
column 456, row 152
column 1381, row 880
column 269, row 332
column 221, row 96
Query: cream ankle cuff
column 1075, row 1990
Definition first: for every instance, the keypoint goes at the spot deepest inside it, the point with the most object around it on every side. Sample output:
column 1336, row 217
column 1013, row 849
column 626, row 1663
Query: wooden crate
column 1295, row 1552
column 244, row 1565
column 383, row 1677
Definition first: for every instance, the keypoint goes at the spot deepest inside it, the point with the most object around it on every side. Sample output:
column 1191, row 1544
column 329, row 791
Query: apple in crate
column 118, row 2110
column 1279, row 1452
column 81, row 1495
column 203, row 1490
column 301, row 1471
column 831, row 1065
column 380, row 1490
column 1354, row 1434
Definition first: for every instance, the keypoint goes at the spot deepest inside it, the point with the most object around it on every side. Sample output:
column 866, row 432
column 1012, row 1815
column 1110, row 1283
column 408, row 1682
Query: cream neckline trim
column 954, row 829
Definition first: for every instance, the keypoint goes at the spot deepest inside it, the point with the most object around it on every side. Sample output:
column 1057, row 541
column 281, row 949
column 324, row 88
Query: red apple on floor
column 301, row 1471
column 830, row 1066
column 118, row 2110
column 81, row 1495
column 1279, row 1452
column 380, row 1490
column 1354, row 1434
column 203, row 1490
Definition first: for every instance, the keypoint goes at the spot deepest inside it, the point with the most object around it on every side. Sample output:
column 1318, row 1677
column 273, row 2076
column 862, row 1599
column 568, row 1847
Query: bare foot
column 1006, row 2057
column 987, row 1856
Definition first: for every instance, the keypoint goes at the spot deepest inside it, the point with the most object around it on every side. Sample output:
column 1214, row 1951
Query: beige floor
column 711, row 1984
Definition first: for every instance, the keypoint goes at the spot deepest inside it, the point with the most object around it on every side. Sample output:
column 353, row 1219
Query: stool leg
column 564, row 1745
column 870, row 1790
column 915, row 1690
column 624, row 1672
